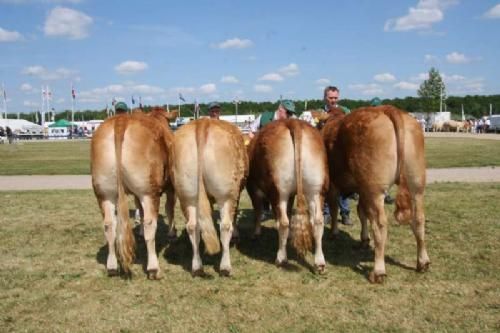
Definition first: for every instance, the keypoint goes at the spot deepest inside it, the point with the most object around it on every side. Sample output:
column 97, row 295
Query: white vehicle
column 494, row 123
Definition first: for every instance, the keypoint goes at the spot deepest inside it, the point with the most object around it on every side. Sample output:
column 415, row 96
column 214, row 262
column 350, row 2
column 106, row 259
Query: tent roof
column 61, row 123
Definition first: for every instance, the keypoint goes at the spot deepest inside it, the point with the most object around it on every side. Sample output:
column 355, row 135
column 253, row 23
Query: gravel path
column 11, row 183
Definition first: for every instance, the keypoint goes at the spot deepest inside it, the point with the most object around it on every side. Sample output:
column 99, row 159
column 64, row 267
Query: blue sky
column 253, row 50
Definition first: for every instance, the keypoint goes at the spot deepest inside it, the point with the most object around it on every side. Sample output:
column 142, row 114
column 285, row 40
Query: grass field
column 73, row 158
column 52, row 274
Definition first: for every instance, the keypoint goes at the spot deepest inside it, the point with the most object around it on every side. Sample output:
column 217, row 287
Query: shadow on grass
column 346, row 251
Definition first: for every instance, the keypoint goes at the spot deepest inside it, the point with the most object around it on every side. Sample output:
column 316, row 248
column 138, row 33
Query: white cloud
column 457, row 58
column 26, row 87
column 429, row 58
column 423, row 16
column 131, row 66
column 67, row 22
column 229, row 79
column 323, row 81
column 31, row 104
column 452, row 78
column 420, row 77
column 262, row 88
column 404, row 85
column 234, row 43
column 9, row 36
column 384, row 77
column 271, row 77
column 44, row 74
column 289, row 70
column 367, row 89
column 493, row 13
column 208, row 88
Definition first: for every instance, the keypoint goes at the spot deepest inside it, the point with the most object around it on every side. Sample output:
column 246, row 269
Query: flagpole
column 72, row 105
column 42, row 114
column 180, row 106
column 4, row 101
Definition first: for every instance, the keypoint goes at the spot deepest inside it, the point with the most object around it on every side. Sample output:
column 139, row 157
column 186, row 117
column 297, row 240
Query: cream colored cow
column 210, row 164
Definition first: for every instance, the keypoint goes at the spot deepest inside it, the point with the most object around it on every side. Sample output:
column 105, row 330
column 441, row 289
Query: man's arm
column 254, row 126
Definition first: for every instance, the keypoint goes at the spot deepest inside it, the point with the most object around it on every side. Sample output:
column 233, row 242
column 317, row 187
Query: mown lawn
column 73, row 157
column 53, row 279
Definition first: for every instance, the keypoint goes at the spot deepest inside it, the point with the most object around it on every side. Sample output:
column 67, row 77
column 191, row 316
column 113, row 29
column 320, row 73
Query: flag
column 113, row 101
column 4, row 95
column 133, row 100
column 140, row 102
column 73, row 92
column 181, row 97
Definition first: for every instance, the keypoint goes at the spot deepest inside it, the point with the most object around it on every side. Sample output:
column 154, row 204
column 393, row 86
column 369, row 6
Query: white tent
column 21, row 126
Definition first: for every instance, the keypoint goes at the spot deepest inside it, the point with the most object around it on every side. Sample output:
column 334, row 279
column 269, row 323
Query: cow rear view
column 131, row 155
column 210, row 165
column 288, row 158
column 370, row 150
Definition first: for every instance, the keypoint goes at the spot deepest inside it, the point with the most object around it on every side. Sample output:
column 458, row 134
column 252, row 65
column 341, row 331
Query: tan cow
column 288, row 158
column 131, row 154
column 210, row 164
column 368, row 151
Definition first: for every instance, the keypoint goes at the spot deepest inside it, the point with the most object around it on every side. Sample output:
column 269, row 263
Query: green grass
column 73, row 158
column 461, row 152
column 45, row 158
column 52, row 274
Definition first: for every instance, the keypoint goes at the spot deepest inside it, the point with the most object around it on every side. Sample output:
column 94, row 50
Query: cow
column 368, row 151
column 288, row 158
column 437, row 126
column 131, row 154
column 210, row 164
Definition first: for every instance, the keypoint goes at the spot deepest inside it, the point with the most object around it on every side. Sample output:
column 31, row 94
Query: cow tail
column 203, row 211
column 403, row 211
column 125, row 241
column 302, row 235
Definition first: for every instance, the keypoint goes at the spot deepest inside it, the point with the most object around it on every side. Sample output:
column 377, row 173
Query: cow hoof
column 280, row 263
column 154, row 274
column 198, row 273
column 112, row 272
column 364, row 244
column 321, row 269
column 423, row 267
column 376, row 278
column 225, row 272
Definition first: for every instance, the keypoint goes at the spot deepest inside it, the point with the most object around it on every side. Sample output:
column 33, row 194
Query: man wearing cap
column 121, row 107
column 286, row 109
column 214, row 110
column 331, row 96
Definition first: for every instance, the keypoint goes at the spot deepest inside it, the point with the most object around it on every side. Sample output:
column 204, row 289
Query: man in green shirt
column 286, row 109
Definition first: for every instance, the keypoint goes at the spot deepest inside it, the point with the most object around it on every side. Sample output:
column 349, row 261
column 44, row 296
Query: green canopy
column 61, row 123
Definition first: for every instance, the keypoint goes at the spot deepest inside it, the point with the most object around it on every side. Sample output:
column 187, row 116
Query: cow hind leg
column 283, row 230
column 151, row 206
column 226, row 230
column 376, row 214
column 333, row 206
column 257, row 203
column 364, row 235
column 169, row 212
column 418, row 227
column 194, row 233
column 317, row 221
column 110, row 221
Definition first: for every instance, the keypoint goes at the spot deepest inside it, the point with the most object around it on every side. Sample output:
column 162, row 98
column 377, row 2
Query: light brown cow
column 368, row 151
column 210, row 164
column 288, row 158
column 130, row 154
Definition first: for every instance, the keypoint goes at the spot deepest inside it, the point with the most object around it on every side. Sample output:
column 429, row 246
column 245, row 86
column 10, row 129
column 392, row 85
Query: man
column 214, row 110
column 331, row 96
column 121, row 107
column 286, row 109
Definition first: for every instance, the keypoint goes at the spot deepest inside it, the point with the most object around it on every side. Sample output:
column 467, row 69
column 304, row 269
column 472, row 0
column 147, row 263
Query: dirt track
column 11, row 183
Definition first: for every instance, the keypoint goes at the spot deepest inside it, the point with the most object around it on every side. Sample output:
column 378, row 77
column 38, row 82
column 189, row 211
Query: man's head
column 331, row 96
column 214, row 110
column 121, row 107
column 286, row 109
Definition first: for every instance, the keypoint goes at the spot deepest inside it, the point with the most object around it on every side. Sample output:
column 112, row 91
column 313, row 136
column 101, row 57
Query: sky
column 246, row 50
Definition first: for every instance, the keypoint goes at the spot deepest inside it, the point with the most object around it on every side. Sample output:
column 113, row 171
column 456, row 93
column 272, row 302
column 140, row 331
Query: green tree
column 431, row 89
